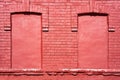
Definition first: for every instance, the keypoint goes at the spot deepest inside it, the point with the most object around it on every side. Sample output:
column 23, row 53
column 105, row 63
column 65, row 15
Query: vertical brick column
column 60, row 45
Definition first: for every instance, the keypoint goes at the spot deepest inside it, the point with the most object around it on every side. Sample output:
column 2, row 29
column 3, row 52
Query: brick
column 59, row 44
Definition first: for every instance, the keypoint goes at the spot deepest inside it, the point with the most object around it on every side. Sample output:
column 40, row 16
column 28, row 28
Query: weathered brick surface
column 59, row 45
column 66, row 77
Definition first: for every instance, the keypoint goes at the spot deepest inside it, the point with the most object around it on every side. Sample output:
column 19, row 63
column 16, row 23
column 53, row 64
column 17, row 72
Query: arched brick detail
column 92, row 14
column 20, row 7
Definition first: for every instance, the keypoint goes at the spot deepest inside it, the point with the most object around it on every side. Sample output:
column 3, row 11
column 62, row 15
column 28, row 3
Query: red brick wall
column 59, row 45
column 66, row 77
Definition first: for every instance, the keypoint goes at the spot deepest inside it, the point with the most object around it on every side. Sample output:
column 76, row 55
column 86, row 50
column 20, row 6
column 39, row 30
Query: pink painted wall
column 60, row 47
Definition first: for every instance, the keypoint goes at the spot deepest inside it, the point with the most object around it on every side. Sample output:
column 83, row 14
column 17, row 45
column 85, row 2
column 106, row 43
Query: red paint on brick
column 26, row 41
column 93, row 41
column 60, row 45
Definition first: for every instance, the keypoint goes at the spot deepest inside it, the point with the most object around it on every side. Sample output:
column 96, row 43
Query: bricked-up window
column 26, row 40
column 93, row 40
